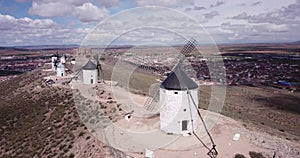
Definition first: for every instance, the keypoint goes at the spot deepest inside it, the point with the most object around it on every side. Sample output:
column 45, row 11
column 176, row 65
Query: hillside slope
column 41, row 121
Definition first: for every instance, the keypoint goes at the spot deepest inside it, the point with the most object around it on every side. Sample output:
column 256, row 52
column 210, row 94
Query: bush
column 72, row 155
column 254, row 154
column 239, row 156
column 81, row 134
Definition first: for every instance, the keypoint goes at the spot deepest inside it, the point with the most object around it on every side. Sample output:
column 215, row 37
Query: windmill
column 152, row 100
column 91, row 72
column 179, row 111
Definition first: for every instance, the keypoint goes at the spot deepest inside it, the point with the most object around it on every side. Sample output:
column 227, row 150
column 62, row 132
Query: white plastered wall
column 89, row 75
column 176, row 108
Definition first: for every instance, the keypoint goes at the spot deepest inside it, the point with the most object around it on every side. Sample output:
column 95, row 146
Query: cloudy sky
column 46, row 22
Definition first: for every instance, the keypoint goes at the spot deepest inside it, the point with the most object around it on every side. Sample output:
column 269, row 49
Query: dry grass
column 258, row 107
column 24, row 129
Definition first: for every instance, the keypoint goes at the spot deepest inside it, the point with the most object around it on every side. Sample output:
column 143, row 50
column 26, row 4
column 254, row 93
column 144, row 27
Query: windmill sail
column 187, row 50
column 149, row 65
column 99, row 69
column 152, row 100
column 55, row 64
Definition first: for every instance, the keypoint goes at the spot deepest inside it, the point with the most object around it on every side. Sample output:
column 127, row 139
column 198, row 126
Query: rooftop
column 178, row 80
column 89, row 66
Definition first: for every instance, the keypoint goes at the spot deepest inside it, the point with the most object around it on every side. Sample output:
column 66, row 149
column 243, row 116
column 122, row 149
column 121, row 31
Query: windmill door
column 184, row 125
column 92, row 81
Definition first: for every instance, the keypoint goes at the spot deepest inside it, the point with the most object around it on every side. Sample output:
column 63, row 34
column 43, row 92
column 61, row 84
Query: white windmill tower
column 177, row 115
column 178, row 100
column 90, row 73
column 60, row 70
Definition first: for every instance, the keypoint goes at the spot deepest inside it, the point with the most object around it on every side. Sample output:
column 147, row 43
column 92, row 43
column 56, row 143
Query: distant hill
column 48, row 46
column 39, row 47
column 296, row 42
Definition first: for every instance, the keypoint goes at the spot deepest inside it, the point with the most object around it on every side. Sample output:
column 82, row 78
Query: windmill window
column 184, row 110
column 175, row 92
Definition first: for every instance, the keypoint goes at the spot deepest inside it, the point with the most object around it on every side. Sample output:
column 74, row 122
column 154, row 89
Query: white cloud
column 89, row 12
column 224, row 31
column 250, row 21
column 218, row 3
column 254, row 32
column 83, row 30
column 27, row 31
column 256, row 3
column 70, row 2
column 108, row 3
column 234, row 37
column 84, row 10
column 166, row 3
column 289, row 14
column 76, row 2
column 211, row 14
column 10, row 22
column 50, row 9
column 276, row 28
column 243, row 15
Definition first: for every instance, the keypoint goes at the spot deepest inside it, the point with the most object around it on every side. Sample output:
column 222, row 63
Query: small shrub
column 81, row 134
column 239, row 156
column 281, row 130
column 254, row 154
column 66, row 150
column 71, row 155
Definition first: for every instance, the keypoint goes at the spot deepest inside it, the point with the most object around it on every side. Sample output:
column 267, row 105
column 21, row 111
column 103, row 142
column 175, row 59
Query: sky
column 52, row 22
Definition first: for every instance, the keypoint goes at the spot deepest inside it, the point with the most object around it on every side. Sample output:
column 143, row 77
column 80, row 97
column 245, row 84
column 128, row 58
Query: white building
column 90, row 73
column 177, row 109
column 63, row 59
column 60, row 70
column 73, row 62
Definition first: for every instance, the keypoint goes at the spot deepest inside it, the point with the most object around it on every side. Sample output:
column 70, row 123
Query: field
column 275, row 111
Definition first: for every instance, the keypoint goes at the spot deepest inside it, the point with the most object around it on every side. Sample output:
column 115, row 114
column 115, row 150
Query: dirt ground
column 222, row 131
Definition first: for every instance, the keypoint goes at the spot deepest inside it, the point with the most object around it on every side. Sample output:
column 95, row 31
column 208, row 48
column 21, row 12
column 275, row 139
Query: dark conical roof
column 89, row 66
column 178, row 80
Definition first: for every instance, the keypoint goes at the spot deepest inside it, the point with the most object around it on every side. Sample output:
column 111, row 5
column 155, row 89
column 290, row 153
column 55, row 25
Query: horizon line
column 131, row 45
